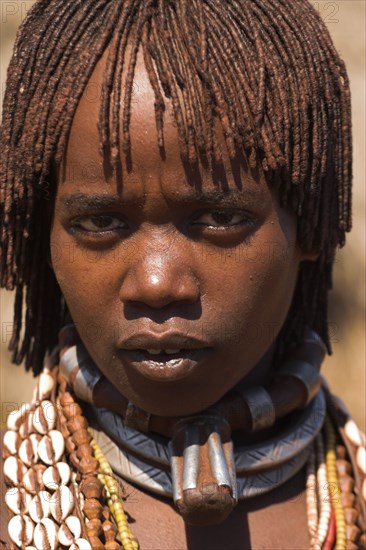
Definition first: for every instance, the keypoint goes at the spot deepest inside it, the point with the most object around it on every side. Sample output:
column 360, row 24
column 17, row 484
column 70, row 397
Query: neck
column 260, row 374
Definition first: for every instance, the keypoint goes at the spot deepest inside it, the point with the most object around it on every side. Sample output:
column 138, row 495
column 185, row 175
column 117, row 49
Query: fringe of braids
column 267, row 69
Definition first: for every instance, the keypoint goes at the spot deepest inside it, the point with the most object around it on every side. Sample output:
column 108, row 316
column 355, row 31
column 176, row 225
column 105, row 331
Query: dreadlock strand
column 118, row 17
column 227, row 63
column 177, row 109
column 159, row 105
column 189, row 62
column 119, row 51
column 182, row 61
column 141, row 21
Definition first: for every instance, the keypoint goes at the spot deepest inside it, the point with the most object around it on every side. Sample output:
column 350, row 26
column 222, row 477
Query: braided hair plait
column 266, row 69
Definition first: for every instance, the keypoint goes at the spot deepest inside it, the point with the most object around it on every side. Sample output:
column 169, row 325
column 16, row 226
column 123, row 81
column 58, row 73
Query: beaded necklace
column 62, row 490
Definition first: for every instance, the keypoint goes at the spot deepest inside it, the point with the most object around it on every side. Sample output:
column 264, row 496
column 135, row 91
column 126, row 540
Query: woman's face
column 178, row 281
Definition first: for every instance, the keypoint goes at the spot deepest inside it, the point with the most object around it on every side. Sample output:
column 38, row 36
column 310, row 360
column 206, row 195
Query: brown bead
column 348, row 500
column 362, row 541
column 71, row 410
column 353, row 533
column 80, row 437
column 94, row 528
column 70, row 445
column 93, row 509
column 112, row 545
column 66, row 399
column 346, row 484
column 88, row 465
column 110, row 530
column 84, row 450
column 75, row 461
column 91, row 487
column 77, row 423
column 352, row 546
column 106, row 513
column 343, row 467
column 65, row 432
column 96, row 543
column 341, row 451
column 351, row 515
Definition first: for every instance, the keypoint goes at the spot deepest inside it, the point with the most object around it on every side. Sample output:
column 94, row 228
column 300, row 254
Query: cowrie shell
column 14, row 470
column 69, row 531
column 32, row 480
column 39, row 508
column 28, row 449
column 354, row 434
column 45, row 385
column 61, row 503
column 64, row 471
column 81, row 544
column 51, row 447
column 56, row 475
column 15, row 418
column 361, row 459
column 45, row 535
column 11, row 442
column 44, row 418
column 20, row 529
column 17, row 500
column 26, row 428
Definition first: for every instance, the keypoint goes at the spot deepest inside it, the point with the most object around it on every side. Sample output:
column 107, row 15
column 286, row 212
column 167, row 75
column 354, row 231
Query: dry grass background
column 345, row 370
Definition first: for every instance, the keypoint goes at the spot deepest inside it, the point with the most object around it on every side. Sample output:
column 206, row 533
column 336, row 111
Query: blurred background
column 345, row 369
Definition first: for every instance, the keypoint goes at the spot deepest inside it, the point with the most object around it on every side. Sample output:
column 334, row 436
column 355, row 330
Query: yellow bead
column 112, row 497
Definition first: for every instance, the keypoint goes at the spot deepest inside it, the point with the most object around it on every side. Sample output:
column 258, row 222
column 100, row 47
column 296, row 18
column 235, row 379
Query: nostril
column 158, row 289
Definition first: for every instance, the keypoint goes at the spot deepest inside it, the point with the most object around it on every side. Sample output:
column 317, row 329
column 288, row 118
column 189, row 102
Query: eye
column 223, row 218
column 101, row 223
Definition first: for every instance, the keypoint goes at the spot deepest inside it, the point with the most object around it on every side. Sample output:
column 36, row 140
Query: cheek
column 85, row 278
column 258, row 282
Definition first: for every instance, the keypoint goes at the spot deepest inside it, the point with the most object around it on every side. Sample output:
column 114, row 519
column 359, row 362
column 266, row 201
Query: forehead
column 84, row 164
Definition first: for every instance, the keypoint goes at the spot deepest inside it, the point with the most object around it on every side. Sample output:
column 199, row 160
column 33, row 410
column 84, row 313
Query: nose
column 158, row 278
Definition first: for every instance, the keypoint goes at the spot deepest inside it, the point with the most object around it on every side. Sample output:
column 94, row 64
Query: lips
column 165, row 357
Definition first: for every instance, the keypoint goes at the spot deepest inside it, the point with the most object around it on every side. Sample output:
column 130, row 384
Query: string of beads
column 331, row 460
column 62, row 489
column 113, row 500
column 334, row 515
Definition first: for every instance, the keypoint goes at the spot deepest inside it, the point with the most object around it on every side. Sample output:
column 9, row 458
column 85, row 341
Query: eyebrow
column 95, row 201
column 83, row 201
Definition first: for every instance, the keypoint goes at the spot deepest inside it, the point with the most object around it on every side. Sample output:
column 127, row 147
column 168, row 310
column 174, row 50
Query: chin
column 172, row 407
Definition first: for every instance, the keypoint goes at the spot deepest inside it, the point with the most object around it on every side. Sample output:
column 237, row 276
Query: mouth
column 164, row 366
column 164, row 359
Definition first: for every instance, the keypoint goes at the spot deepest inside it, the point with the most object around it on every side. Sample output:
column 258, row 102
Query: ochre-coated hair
column 266, row 69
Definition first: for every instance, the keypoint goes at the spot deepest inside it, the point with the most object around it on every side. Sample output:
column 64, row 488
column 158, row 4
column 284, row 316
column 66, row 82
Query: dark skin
column 170, row 249
column 211, row 257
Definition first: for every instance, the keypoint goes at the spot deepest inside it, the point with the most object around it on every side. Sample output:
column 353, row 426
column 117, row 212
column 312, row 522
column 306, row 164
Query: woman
column 176, row 180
